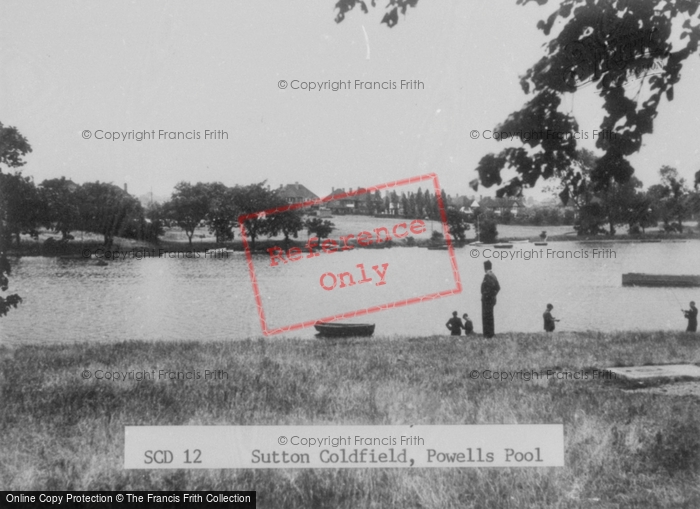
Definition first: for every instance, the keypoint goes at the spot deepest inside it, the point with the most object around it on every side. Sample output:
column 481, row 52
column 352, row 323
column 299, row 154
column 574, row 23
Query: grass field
column 623, row 448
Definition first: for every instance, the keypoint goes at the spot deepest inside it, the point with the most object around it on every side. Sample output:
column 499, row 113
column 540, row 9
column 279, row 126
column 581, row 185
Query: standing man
column 549, row 319
column 455, row 324
column 489, row 290
column 692, row 316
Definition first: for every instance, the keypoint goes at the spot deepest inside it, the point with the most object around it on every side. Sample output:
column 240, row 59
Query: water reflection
column 203, row 299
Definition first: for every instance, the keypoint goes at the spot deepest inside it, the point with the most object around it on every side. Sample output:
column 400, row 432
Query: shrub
column 488, row 232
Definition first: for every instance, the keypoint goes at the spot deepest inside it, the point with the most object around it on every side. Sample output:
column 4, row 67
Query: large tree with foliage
column 600, row 42
column 188, row 206
column 289, row 223
column 21, row 206
column 61, row 211
column 251, row 200
column 223, row 213
column 320, row 228
column 13, row 148
column 108, row 210
column 672, row 197
column 457, row 223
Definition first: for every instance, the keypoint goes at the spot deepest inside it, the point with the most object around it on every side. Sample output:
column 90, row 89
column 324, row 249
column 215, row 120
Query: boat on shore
column 503, row 246
column 637, row 279
column 540, row 243
column 344, row 330
column 440, row 248
column 219, row 251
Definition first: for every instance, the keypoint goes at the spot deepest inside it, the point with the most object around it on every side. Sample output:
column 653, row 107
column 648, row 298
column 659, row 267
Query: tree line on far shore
column 108, row 210
column 105, row 209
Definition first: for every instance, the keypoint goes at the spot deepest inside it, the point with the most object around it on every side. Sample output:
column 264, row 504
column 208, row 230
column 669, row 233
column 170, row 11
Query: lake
column 212, row 299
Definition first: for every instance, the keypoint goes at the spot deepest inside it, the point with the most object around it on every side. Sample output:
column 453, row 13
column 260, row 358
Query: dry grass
column 623, row 449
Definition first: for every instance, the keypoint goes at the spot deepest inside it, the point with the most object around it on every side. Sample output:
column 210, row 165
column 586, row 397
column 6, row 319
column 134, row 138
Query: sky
column 182, row 66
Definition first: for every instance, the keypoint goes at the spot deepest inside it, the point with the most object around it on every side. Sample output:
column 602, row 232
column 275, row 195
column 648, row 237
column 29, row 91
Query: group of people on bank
column 489, row 290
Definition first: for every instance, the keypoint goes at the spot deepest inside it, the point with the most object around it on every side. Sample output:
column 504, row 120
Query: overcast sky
column 67, row 67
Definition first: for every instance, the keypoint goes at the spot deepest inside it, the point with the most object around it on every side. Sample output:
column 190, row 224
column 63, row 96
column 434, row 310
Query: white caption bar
column 527, row 445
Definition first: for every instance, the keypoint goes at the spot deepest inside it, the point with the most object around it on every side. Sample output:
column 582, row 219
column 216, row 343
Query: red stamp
column 366, row 264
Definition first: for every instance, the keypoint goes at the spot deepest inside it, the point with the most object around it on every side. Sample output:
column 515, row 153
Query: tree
column 619, row 202
column 319, row 227
column 222, row 214
column 288, row 222
column 642, row 214
column 21, row 206
column 188, row 206
column 108, row 210
column 411, row 210
column 251, row 200
column 13, row 148
column 378, row 201
column 457, row 223
column 404, row 204
column 488, row 231
column 420, row 204
column 155, row 217
column 370, row 203
column 600, row 41
column 591, row 41
column 673, row 198
column 391, row 16
column 61, row 207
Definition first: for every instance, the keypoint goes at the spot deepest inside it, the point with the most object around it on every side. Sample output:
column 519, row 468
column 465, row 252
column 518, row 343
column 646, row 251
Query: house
column 296, row 193
column 356, row 204
column 500, row 206
column 461, row 203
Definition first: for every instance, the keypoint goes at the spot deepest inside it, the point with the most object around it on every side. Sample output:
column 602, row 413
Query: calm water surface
column 184, row 299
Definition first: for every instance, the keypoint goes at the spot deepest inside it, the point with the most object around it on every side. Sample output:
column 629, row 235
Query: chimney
column 125, row 188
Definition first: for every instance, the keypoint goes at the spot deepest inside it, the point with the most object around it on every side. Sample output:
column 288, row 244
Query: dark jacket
column 692, row 316
column 489, row 288
column 548, row 321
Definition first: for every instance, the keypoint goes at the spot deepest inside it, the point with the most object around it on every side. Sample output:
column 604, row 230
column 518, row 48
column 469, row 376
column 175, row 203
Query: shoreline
column 76, row 248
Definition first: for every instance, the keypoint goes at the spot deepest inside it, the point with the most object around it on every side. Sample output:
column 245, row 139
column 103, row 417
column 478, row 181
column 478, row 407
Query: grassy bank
column 623, row 449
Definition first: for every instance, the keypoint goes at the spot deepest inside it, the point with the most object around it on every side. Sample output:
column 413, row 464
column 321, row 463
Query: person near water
column 455, row 324
column 549, row 319
column 489, row 291
column 692, row 316
column 468, row 325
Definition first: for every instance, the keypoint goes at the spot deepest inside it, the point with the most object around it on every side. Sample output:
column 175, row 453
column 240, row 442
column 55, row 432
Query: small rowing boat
column 343, row 330
column 503, row 246
column 540, row 243
column 218, row 251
